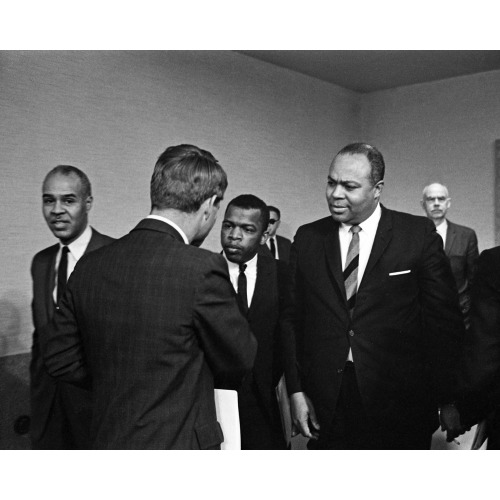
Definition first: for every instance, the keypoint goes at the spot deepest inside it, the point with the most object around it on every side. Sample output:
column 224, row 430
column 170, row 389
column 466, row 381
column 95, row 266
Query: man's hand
column 450, row 422
column 303, row 414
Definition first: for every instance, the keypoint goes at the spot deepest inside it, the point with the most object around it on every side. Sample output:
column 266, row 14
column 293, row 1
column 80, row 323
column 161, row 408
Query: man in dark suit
column 481, row 374
column 262, row 284
column 460, row 242
column 377, row 324
column 278, row 245
column 60, row 412
column 148, row 321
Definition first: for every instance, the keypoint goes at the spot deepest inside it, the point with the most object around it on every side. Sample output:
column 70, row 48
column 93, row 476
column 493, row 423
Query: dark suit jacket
column 481, row 373
column 284, row 246
column 46, row 392
column 148, row 321
column 461, row 249
column 405, row 333
column 270, row 299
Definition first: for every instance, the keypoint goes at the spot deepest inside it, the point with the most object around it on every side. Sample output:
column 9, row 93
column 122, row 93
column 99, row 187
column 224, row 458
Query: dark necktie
column 242, row 289
column 273, row 248
column 351, row 269
column 62, row 273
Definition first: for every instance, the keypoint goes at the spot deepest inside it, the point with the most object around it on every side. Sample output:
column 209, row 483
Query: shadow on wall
column 14, row 400
column 14, row 381
column 10, row 328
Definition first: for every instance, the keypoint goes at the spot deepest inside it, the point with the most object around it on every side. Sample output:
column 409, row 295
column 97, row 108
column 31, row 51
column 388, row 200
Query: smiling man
column 261, row 283
column 376, row 321
column 60, row 412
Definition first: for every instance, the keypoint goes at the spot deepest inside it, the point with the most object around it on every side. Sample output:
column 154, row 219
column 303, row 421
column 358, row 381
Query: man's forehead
column 69, row 183
column 247, row 214
column 436, row 191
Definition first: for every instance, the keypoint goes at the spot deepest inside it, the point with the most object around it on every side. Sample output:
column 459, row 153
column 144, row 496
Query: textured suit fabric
column 481, row 374
column 405, row 333
column 259, row 412
column 461, row 248
column 284, row 246
column 147, row 322
column 59, row 412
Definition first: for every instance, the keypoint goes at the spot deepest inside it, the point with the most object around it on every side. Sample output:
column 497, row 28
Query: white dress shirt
column 268, row 243
column 366, row 239
column 170, row 223
column 250, row 273
column 441, row 229
column 75, row 252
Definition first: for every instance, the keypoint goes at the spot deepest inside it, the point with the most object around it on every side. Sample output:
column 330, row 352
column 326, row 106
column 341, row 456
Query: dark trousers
column 353, row 429
column 260, row 427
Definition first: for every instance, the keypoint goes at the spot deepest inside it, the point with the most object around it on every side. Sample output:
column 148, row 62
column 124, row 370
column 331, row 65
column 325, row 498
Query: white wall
column 445, row 132
column 113, row 113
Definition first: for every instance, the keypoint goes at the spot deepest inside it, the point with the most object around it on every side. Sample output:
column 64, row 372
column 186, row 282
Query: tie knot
column 65, row 249
column 355, row 229
column 242, row 268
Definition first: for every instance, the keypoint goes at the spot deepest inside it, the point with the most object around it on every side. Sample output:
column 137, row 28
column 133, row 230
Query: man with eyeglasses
column 278, row 245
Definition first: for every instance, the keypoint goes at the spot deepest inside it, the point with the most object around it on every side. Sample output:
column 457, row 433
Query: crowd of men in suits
column 375, row 317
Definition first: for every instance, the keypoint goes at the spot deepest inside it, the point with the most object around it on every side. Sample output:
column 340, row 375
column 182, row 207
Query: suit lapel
column 50, row 281
column 333, row 258
column 264, row 270
column 382, row 238
column 450, row 238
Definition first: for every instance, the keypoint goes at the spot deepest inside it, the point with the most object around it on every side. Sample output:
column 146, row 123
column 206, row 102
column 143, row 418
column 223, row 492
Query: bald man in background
column 460, row 242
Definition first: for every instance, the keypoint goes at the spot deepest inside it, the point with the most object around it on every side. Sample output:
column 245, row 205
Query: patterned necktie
column 242, row 289
column 273, row 248
column 62, row 273
column 351, row 269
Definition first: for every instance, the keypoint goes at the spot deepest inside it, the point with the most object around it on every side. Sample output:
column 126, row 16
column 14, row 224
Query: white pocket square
column 400, row 272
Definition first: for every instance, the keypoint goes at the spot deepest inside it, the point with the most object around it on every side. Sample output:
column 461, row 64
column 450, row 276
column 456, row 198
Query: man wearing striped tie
column 376, row 326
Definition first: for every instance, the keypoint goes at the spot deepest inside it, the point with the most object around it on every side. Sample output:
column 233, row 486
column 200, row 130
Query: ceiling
column 370, row 70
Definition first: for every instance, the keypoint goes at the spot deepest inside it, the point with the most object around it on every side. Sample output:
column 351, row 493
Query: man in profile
column 377, row 325
column 149, row 321
column 261, row 283
column 279, row 246
column 459, row 242
column 60, row 412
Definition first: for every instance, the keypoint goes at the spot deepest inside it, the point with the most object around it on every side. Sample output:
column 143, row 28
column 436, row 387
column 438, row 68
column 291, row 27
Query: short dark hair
column 373, row 155
column 68, row 170
column 250, row 201
column 184, row 177
column 274, row 209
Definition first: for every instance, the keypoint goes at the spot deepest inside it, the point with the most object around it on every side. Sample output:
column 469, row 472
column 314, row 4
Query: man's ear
column 208, row 206
column 378, row 188
column 264, row 237
column 88, row 203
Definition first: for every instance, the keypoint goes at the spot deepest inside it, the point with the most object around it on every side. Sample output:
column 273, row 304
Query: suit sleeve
column 472, row 256
column 62, row 346
column 290, row 325
column 442, row 318
column 224, row 334
column 481, row 373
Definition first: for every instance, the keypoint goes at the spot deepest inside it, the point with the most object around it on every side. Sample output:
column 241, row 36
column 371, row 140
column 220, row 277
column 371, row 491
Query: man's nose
column 57, row 208
column 235, row 234
column 338, row 192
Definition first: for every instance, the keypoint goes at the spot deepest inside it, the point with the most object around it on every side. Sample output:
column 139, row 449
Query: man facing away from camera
column 377, row 325
column 148, row 321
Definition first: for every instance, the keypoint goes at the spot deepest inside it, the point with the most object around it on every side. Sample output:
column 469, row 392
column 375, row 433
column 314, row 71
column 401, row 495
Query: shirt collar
column 77, row 248
column 442, row 227
column 251, row 264
column 170, row 223
column 369, row 225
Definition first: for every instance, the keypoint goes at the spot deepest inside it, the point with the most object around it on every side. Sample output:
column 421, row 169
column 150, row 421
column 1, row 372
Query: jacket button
column 351, row 333
column 340, row 370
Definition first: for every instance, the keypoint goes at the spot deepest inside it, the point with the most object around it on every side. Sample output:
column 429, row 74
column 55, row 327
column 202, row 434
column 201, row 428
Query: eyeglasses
column 273, row 221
